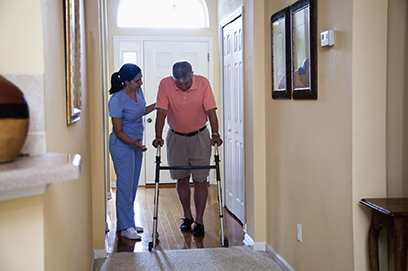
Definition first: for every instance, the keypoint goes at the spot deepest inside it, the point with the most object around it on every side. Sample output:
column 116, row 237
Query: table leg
column 373, row 246
column 400, row 245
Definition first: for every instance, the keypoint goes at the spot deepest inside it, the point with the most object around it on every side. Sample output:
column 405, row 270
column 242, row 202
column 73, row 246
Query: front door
column 158, row 60
column 155, row 56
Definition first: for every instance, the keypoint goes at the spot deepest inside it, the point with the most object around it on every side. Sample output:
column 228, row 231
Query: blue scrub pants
column 127, row 161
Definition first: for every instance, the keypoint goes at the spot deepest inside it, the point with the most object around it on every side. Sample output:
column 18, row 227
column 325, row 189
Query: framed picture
column 72, row 59
column 304, row 49
column 280, row 40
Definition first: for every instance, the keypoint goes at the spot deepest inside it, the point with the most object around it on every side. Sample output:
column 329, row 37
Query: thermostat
column 327, row 38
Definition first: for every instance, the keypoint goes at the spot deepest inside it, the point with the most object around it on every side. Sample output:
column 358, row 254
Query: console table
column 391, row 214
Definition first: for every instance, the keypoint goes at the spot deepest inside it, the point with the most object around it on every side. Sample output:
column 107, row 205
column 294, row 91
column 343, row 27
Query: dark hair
column 182, row 71
column 126, row 73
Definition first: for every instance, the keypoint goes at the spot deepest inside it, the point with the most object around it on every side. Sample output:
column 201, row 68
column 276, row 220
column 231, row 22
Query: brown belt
column 189, row 134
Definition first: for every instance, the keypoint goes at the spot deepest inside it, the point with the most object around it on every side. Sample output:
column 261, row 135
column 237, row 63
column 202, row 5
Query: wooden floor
column 169, row 220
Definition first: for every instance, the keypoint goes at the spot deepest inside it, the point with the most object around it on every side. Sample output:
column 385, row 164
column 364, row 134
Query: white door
column 158, row 61
column 233, row 122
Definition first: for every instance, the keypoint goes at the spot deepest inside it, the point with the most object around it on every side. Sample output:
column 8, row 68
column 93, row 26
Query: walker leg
column 152, row 244
column 224, row 240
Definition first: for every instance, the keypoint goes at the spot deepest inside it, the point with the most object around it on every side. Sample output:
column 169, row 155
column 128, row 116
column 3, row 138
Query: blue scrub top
column 121, row 106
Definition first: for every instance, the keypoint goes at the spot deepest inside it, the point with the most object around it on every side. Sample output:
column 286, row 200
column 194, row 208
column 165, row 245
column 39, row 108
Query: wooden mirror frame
column 310, row 91
column 281, row 93
column 72, row 60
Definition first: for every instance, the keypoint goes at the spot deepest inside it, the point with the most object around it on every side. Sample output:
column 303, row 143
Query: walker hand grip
column 158, row 148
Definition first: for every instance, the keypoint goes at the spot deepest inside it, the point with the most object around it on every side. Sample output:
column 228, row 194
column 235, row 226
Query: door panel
column 158, row 61
column 233, row 118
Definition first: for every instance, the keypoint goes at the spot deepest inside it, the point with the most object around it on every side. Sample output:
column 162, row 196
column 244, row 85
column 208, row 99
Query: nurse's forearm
column 125, row 138
column 118, row 129
column 149, row 109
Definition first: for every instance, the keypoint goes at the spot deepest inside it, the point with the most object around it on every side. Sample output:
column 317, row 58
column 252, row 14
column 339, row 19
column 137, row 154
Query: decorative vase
column 14, row 120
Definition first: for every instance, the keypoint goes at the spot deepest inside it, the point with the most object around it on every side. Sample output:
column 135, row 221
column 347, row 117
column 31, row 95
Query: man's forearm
column 160, row 118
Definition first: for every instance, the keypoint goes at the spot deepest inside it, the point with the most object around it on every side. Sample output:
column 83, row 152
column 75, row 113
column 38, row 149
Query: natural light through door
column 163, row 13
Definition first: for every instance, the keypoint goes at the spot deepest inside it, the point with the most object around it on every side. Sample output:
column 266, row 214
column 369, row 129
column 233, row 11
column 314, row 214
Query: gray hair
column 182, row 71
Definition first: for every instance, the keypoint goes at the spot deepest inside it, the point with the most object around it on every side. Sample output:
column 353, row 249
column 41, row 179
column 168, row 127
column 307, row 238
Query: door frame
column 140, row 41
column 233, row 16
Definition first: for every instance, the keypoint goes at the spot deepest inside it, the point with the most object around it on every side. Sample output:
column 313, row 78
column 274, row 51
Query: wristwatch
column 215, row 134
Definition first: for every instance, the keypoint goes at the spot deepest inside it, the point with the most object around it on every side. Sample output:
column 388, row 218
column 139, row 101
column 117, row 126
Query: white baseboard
column 258, row 246
column 278, row 259
column 264, row 246
column 99, row 253
column 248, row 240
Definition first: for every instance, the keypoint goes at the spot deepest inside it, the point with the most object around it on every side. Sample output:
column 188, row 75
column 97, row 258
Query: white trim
column 278, row 259
column 260, row 246
column 264, row 246
column 109, row 195
column 99, row 253
column 230, row 18
column 248, row 240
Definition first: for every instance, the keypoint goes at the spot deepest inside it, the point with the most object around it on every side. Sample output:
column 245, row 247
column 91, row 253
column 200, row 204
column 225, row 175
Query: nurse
column 126, row 108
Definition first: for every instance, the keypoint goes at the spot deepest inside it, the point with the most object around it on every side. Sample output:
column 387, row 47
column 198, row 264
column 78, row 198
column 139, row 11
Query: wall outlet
column 299, row 232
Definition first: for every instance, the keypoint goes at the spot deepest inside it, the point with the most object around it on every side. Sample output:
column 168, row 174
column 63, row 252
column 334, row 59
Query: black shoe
column 186, row 225
column 198, row 230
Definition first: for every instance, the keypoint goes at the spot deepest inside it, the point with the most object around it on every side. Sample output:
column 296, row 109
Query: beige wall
column 369, row 116
column 22, row 234
column 309, row 155
column 21, row 219
column 96, row 123
column 397, row 82
column 21, row 33
column 67, row 205
column 323, row 156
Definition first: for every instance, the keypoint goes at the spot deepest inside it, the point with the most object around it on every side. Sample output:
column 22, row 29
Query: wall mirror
column 72, row 59
column 304, row 49
column 280, row 40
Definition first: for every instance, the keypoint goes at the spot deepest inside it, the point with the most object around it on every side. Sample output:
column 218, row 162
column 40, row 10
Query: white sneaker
column 138, row 229
column 131, row 234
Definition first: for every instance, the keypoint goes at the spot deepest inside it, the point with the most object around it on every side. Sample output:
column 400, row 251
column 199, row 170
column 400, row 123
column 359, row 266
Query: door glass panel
column 163, row 13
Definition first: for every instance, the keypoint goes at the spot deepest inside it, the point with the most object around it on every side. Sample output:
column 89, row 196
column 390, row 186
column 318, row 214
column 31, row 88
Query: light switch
column 327, row 38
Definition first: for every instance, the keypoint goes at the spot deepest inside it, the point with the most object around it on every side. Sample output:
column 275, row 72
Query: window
column 163, row 13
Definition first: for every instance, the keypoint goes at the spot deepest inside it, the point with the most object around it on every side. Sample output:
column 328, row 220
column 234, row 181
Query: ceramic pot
column 14, row 120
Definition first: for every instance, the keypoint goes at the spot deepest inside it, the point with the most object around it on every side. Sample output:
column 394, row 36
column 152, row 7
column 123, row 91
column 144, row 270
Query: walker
column 216, row 166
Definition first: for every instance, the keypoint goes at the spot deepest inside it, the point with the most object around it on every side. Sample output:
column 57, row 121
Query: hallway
column 169, row 220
